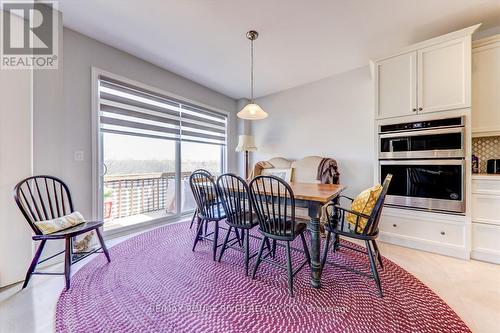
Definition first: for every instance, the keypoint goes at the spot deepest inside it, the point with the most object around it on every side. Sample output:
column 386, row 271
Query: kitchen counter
column 490, row 176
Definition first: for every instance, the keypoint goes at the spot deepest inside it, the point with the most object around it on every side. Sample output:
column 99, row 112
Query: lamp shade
column 246, row 143
column 252, row 111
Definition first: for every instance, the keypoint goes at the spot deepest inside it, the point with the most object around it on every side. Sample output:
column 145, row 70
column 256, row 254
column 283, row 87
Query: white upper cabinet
column 431, row 76
column 444, row 76
column 486, row 86
column 396, row 86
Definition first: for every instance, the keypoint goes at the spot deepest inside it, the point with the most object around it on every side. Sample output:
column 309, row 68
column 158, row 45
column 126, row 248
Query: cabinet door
column 444, row 81
column 485, row 88
column 396, row 86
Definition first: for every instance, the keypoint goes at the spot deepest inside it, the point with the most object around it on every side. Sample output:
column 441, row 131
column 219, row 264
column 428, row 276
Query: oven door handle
column 424, row 132
column 422, row 162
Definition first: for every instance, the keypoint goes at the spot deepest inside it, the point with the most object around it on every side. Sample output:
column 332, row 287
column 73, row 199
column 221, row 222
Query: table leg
column 315, row 245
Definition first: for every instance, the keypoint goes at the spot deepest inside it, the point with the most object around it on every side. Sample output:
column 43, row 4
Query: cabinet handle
column 443, row 233
column 394, row 225
column 420, row 109
column 414, row 109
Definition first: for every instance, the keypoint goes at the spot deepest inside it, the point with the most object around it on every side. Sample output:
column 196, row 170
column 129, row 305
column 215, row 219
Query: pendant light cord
column 251, row 75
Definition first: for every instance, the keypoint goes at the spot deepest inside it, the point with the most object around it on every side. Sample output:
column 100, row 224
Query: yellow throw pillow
column 60, row 223
column 364, row 203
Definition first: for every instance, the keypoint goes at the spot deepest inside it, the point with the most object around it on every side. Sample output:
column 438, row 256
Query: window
column 149, row 145
column 197, row 155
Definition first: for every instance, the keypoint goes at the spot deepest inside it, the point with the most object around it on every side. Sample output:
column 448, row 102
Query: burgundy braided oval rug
column 155, row 283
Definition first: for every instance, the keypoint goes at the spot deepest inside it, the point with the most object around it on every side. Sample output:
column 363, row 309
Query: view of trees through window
column 126, row 154
column 139, row 180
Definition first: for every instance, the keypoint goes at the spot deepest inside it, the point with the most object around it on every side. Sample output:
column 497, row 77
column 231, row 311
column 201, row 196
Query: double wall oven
column 427, row 160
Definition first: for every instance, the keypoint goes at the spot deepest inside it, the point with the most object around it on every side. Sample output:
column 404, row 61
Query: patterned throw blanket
column 328, row 172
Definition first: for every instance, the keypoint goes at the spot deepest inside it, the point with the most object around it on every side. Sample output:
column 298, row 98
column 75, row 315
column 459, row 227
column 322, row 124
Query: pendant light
column 252, row 111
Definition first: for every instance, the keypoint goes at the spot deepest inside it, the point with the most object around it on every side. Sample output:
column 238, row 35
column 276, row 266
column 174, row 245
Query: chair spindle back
column 42, row 198
column 372, row 224
column 205, row 194
column 234, row 194
column 274, row 204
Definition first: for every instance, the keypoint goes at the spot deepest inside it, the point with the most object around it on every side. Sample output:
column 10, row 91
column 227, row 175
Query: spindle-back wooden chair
column 274, row 204
column 338, row 226
column 42, row 198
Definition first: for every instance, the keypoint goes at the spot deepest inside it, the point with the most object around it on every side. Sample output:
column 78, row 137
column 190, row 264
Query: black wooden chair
column 234, row 195
column 195, row 214
column 208, row 206
column 42, row 198
column 274, row 204
column 369, row 233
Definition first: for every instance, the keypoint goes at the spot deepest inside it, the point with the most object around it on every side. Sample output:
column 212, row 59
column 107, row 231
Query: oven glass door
column 438, row 143
column 428, row 184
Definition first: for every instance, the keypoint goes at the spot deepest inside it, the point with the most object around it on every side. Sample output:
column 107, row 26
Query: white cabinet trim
column 433, row 41
column 485, row 123
column 425, row 245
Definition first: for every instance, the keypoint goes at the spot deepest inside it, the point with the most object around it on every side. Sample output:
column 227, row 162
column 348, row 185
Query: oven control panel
column 438, row 123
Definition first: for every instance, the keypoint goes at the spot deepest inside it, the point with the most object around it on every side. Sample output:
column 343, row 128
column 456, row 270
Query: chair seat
column 73, row 231
column 248, row 224
column 348, row 231
column 217, row 213
column 299, row 228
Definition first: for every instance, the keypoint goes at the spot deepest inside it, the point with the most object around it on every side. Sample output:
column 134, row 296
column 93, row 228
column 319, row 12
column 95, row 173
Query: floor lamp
column 246, row 144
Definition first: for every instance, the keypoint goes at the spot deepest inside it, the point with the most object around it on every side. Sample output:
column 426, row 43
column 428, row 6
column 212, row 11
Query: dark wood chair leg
column 194, row 217
column 216, row 237
column 289, row 268
column 259, row 256
column 336, row 242
column 241, row 237
column 373, row 267
column 247, row 249
column 306, row 249
column 67, row 261
column 223, row 249
column 274, row 248
column 325, row 251
column 34, row 262
column 377, row 252
column 198, row 233
column 268, row 245
column 103, row 245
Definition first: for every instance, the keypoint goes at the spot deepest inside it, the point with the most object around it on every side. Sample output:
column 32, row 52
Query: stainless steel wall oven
column 427, row 160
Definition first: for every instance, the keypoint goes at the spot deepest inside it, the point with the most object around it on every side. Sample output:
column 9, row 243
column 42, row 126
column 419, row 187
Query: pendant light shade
column 252, row 111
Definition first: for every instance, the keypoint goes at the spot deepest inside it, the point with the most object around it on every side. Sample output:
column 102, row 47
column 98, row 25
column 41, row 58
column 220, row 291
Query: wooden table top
column 322, row 193
column 316, row 192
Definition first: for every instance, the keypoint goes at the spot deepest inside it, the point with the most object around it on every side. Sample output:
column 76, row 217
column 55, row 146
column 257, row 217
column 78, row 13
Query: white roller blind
column 128, row 109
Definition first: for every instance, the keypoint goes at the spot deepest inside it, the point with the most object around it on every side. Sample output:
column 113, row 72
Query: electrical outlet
column 79, row 156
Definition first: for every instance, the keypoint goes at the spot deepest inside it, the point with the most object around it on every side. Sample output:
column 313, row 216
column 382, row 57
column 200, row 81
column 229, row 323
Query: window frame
column 97, row 151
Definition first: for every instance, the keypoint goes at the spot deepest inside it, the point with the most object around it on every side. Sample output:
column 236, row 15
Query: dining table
column 314, row 196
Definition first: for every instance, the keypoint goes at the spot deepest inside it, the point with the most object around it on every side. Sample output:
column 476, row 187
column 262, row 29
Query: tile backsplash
column 486, row 148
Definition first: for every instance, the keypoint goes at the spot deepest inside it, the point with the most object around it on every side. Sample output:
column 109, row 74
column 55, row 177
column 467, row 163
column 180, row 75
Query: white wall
column 15, row 164
column 332, row 117
column 80, row 54
column 42, row 139
column 483, row 33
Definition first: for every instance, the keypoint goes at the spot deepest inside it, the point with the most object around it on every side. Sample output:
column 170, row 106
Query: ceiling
column 300, row 40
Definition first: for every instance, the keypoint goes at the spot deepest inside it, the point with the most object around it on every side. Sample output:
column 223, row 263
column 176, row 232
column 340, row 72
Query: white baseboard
column 425, row 245
column 486, row 255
